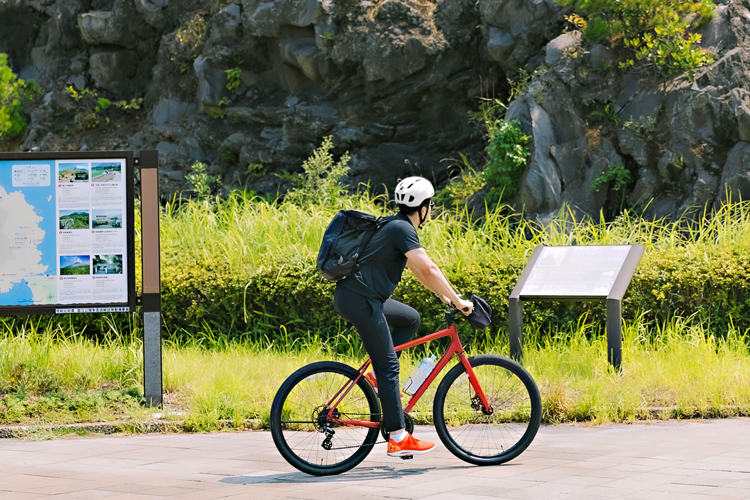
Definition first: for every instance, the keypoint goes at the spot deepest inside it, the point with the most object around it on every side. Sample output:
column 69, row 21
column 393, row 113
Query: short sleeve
column 405, row 236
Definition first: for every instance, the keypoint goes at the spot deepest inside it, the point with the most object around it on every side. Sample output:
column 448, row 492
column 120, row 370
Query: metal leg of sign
column 614, row 333
column 152, row 372
column 515, row 327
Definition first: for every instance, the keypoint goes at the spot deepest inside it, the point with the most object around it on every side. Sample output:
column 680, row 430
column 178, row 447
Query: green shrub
column 199, row 181
column 507, row 151
column 93, row 110
column 619, row 175
column 321, row 181
column 457, row 192
column 14, row 93
column 655, row 32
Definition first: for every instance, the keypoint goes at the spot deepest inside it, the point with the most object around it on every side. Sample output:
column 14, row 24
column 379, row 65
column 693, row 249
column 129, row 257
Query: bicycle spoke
column 307, row 430
column 469, row 431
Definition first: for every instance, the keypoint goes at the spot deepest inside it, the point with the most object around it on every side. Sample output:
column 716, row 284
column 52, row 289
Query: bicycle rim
column 472, row 435
column 299, row 426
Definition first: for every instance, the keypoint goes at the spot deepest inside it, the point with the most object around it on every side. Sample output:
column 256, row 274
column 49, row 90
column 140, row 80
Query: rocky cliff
column 391, row 81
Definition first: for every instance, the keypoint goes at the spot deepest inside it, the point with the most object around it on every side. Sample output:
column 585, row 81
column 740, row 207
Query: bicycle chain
column 357, row 446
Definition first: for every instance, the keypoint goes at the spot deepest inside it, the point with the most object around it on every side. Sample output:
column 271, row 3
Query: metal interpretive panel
column 576, row 273
column 571, row 272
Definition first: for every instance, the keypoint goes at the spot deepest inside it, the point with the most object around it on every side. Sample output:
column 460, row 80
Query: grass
column 679, row 370
column 673, row 368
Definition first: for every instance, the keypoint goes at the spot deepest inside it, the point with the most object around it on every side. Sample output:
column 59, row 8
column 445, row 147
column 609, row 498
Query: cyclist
column 381, row 322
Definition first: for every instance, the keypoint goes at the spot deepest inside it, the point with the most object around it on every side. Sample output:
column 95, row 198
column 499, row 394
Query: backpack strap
column 366, row 241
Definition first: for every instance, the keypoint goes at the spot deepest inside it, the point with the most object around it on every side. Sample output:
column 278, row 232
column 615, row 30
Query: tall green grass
column 678, row 370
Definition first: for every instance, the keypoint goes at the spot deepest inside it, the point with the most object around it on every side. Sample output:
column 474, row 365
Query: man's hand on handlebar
column 465, row 306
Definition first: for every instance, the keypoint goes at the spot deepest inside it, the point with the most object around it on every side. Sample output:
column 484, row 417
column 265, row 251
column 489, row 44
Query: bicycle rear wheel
column 299, row 419
column 475, row 436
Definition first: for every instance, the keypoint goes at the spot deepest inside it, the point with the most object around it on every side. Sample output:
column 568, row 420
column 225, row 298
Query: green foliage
column 14, row 93
column 256, row 169
column 329, row 36
column 218, row 112
column 518, row 84
column 199, row 181
column 93, row 110
column 457, row 192
column 608, row 113
column 619, row 175
column 234, row 78
column 322, row 179
column 507, row 151
column 641, row 129
column 190, row 38
column 61, row 406
column 655, row 32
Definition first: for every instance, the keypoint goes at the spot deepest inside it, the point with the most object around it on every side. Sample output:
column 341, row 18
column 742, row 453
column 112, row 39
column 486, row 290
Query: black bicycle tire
column 533, row 424
column 278, row 404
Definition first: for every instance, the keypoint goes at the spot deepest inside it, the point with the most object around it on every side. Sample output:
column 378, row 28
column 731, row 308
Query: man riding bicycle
column 381, row 322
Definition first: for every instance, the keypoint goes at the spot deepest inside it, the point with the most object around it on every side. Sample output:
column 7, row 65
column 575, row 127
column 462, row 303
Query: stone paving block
column 565, row 462
column 654, row 495
column 713, row 497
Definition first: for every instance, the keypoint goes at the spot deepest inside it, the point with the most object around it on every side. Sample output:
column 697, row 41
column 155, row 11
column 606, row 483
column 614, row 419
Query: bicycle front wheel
column 488, row 437
column 300, row 419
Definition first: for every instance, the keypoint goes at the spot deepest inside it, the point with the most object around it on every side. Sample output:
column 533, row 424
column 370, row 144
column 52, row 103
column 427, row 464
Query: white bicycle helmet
column 413, row 191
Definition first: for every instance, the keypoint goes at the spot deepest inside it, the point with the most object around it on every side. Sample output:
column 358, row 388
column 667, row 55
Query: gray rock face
column 114, row 70
column 225, row 27
column 172, row 110
column 212, row 81
column 557, row 48
column 500, row 44
column 735, row 179
column 541, row 185
column 601, row 56
column 390, row 81
column 267, row 18
column 530, row 25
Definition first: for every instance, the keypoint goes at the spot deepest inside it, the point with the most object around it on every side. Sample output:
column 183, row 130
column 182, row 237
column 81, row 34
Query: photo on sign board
column 106, row 172
column 108, row 264
column 74, row 219
column 106, row 218
column 75, row 264
column 73, row 172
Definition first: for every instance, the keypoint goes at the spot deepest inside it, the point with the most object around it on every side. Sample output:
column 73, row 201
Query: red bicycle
column 326, row 418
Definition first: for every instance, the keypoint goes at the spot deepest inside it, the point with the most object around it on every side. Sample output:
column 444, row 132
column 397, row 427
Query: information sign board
column 576, row 273
column 66, row 232
column 582, row 271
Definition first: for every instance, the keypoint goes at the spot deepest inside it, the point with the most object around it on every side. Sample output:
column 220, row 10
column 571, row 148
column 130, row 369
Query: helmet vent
column 411, row 198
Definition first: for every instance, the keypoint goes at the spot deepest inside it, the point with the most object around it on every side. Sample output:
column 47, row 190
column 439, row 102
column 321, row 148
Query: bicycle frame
column 455, row 348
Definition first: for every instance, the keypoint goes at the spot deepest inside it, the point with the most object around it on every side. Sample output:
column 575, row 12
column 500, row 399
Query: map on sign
column 578, row 271
column 62, row 232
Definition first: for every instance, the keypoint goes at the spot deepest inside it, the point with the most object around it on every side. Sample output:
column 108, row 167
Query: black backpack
column 344, row 241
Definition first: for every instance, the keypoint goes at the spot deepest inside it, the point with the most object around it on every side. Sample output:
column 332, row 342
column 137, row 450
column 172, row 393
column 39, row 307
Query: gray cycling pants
column 381, row 326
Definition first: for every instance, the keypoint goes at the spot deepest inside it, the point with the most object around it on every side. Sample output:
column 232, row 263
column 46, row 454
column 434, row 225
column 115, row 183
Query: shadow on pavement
column 360, row 474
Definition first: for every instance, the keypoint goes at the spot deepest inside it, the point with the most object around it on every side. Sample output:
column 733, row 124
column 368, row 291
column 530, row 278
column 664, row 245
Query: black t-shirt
column 384, row 260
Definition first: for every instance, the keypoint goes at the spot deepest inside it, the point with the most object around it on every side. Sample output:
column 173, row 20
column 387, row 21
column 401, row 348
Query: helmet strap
column 425, row 204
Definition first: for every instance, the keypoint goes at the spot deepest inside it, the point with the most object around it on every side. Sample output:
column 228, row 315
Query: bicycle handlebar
column 449, row 315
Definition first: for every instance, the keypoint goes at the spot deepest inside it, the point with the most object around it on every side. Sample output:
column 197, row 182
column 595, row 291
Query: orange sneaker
column 370, row 376
column 408, row 447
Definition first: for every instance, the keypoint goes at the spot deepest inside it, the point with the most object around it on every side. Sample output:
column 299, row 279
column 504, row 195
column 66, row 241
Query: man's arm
column 430, row 275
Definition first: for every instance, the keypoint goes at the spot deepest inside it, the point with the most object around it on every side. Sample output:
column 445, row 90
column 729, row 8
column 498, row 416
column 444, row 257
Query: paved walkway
column 676, row 460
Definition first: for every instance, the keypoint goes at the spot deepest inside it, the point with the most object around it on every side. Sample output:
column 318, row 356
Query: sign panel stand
column 152, row 347
column 576, row 273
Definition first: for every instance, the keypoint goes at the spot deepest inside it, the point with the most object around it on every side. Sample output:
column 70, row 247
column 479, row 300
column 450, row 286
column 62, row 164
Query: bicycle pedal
column 407, row 457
